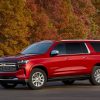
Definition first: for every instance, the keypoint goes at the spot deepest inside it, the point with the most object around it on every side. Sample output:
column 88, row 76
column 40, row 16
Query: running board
column 78, row 77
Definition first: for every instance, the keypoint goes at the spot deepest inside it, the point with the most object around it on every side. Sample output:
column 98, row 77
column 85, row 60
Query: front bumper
column 14, row 80
column 17, row 77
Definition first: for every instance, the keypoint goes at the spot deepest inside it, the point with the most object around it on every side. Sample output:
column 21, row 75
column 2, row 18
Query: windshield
column 38, row 48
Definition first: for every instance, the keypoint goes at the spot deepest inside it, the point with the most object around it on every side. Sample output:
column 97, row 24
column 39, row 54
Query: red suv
column 66, row 61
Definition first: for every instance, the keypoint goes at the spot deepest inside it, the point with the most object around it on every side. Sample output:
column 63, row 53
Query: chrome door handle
column 83, row 57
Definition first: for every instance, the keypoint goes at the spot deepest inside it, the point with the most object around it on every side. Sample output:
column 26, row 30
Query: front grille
column 8, row 67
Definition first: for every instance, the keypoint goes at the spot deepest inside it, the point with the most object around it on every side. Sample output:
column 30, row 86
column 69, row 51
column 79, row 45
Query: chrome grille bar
column 8, row 67
column 7, row 64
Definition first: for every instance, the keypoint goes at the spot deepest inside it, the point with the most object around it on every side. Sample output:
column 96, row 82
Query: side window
column 84, row 48
column 61, row 48
column 96, row 46
column 74, row 48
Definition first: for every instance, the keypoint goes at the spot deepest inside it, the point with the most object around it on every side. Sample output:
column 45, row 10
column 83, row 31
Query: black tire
column 93, row 80
column 8, row 85
column 68, row 82
column 32, row 85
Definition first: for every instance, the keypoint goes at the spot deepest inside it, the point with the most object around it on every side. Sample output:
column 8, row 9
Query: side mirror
column 54, row 52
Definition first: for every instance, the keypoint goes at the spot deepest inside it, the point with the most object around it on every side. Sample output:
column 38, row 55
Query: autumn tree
column 23, row 22
column 43, row 28
column 97, row 17
column 71, row 19
column 15, row 21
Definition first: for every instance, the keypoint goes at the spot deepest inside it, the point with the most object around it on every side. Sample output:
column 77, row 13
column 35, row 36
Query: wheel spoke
column 97, row 75
column 38, row 79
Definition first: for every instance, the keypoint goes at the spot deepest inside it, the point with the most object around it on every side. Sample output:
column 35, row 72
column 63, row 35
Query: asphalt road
column 81, row 90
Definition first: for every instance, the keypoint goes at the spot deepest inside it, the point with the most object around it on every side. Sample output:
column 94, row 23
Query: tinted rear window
column 96, row 46
column 74, row 48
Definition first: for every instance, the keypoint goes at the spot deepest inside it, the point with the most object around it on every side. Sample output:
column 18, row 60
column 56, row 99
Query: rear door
column 77, row 55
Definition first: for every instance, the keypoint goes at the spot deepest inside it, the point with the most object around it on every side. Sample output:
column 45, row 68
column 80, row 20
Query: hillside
column 69, row 19
column 23, row 22
column 96, row 3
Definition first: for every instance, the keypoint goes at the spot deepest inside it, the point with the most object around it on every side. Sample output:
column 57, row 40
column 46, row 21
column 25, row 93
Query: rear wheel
column 68, row 82
column 8, row 85
column 95, row 76
column 38, row 79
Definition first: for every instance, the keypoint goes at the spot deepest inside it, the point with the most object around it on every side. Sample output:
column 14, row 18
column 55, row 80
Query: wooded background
column 23, row 22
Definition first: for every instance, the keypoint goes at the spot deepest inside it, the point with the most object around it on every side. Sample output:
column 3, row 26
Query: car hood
column 19, row 57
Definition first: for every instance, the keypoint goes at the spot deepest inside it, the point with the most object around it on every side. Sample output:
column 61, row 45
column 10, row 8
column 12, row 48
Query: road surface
column 81, row 90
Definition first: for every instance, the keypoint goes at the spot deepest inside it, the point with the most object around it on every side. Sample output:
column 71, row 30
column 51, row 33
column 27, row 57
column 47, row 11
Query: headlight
column 23, row 62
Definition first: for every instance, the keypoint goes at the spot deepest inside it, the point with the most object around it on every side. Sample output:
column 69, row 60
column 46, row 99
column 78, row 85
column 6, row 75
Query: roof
column 74, row 40
column 81, row 40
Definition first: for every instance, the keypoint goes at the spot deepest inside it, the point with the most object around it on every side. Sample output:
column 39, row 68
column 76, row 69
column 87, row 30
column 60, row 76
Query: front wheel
column 95, row 76
column 38, row 79
column 8, row 85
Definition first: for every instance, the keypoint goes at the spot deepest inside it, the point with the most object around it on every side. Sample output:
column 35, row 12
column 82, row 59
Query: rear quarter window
column 96, row 46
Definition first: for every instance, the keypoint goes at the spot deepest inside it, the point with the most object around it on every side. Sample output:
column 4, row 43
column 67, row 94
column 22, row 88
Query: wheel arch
column 97, row 64
column 42, row 68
